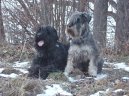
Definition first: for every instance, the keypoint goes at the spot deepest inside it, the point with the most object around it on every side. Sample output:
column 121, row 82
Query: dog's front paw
column 93, row 73
column 66, row 74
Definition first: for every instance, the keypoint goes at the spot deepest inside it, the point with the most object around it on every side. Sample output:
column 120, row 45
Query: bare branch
column 28, row 13
column 112, row 14
column 113, row 3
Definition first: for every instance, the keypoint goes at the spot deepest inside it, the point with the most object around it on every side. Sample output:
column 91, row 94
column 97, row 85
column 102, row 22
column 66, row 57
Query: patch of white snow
column 121, row 65
column 12, row 75
column 54, row 90
column 100, row 93
column 100, row 76
column 21, row 64
column 1, row 69
column 126, row 78
column 22, row 70
column 118, row 90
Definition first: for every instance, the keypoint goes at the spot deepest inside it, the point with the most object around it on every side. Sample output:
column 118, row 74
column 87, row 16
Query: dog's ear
column 86, row 16
column 53, row 32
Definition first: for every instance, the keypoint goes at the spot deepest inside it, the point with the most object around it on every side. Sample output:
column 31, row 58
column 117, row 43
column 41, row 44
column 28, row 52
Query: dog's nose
column 68, row 26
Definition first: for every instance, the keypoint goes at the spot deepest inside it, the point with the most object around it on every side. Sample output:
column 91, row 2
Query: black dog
column 51, row 55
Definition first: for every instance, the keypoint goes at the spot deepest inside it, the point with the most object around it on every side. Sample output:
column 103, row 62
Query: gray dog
column 83, row 53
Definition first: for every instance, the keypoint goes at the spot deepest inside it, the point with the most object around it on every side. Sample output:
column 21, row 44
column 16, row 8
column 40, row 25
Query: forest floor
column 114, row 81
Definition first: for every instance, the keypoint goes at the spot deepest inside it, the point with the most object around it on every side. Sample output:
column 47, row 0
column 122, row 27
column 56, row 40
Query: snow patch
column 1, row 69
column 121, row 65
column 100, row 76
column 24, row 71
column 118, row 90
column 21, row 64
column 100, row 93
column 107, row 63
column 54, row 90
column 12, row 75
column 125, row 78
column 126, row 69
column 72, row 80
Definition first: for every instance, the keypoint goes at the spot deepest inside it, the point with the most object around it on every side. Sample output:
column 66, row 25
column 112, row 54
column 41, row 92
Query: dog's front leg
column 69, row 67
column 92, row 67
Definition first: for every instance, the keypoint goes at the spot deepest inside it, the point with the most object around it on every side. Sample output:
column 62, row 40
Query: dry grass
column 11, row 53
column 22, row 86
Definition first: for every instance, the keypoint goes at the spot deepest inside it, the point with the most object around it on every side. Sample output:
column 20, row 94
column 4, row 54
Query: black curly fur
column 51, row 57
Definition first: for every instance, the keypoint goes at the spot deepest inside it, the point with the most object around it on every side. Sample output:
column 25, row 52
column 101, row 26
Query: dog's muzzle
column 70, row 32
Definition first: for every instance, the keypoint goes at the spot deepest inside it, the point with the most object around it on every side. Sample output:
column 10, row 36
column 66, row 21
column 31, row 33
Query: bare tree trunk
column 122, row 26
column 63, row 25
column 100, row 22
column 84, row 5
column 2, row 34
column 45, row 12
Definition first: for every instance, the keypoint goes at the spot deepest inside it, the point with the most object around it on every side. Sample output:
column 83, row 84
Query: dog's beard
column 41, row 43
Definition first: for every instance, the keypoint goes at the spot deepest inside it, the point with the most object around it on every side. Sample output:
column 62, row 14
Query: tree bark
column 84, row 5
column 100, row 22
column 113, row 3
column 2, row 33
column 122, row 26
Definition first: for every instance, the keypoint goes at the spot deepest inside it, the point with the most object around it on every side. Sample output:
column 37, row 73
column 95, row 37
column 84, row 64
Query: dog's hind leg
column 100, row 65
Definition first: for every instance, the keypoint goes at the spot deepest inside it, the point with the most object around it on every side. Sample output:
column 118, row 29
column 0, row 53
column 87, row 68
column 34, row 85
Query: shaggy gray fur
column 83, row 52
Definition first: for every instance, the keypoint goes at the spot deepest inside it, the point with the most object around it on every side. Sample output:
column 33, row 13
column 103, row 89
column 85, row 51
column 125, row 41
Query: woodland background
column 109, row 25
column 20, row 18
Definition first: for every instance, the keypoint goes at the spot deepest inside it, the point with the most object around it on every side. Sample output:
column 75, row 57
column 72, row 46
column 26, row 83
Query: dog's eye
column 38, row 34
column 78, row 20
column 70, row 25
